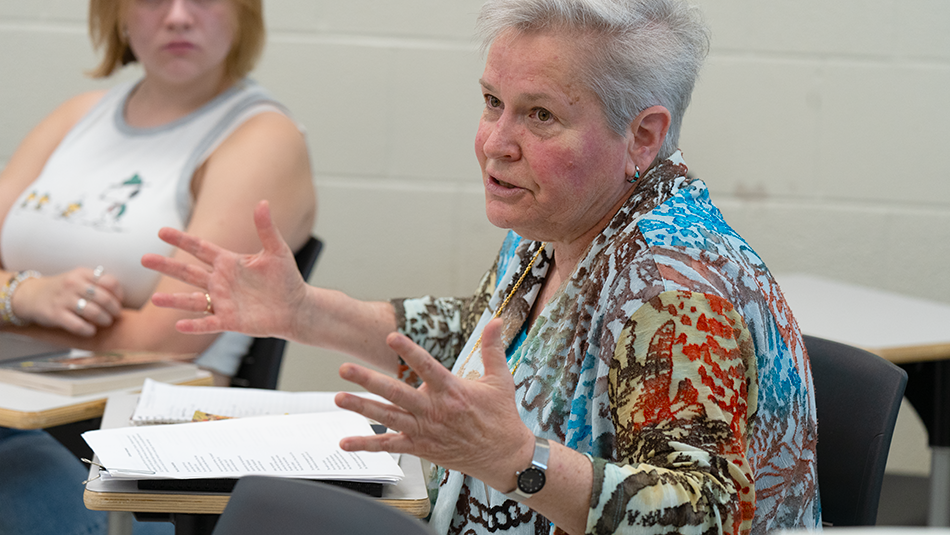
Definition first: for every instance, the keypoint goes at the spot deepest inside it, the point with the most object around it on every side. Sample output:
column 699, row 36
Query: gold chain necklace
column 501, row 308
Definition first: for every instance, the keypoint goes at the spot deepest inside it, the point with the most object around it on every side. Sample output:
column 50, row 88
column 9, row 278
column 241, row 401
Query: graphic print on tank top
column 103, row 210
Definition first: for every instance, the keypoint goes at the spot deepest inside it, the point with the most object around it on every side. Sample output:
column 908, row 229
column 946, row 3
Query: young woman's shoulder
column 274, row 128
column 43, row 139
column 72, row 110
column 264, row 158
column 31, row 155
column 272, row 141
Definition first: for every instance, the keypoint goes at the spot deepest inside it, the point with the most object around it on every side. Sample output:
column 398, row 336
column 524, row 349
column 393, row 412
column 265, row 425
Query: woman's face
column 181, row 41
column 552, row 168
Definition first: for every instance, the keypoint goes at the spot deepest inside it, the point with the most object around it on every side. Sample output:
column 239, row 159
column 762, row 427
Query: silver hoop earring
column 636, row 175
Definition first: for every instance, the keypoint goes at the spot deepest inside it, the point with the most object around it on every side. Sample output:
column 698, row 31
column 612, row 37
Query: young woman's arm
column 265, row 158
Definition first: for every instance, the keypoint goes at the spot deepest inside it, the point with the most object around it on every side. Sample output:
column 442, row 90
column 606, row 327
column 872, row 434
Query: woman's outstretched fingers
column 390, row 415
column 197, row 302
column 391, row 442
column 493, row 351
column 431, row 371
column 205, row 325
column 196, row 247
column 176, row 269
column 401, row 395
column 267, row 231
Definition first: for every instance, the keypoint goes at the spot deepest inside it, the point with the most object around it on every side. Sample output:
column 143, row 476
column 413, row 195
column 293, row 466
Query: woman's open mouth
column 502, row 183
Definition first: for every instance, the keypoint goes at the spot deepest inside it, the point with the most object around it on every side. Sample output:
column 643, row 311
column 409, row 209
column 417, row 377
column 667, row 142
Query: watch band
column 532, row 479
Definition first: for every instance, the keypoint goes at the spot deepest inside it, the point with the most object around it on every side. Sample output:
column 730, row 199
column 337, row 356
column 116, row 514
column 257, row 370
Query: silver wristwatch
column 532, row 478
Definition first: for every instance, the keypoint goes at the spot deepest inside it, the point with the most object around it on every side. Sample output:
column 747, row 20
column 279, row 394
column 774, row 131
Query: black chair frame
column 857, row 397
column 260, row 504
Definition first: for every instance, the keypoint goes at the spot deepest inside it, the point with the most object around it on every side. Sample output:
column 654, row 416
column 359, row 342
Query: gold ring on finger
column 208, row 309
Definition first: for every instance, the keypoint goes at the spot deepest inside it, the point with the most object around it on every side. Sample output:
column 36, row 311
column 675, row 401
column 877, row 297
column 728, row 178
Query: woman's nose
column 179, row 13
column 500, row 139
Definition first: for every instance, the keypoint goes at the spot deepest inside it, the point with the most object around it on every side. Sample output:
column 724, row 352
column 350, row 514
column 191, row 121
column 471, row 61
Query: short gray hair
column 643, row 52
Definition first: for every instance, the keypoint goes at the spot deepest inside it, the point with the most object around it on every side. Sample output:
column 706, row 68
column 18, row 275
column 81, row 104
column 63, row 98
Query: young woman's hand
column 78, row 301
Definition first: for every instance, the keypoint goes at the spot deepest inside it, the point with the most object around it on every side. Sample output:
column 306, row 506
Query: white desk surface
column 26, row 408
column 409, row 494
column 897, row 327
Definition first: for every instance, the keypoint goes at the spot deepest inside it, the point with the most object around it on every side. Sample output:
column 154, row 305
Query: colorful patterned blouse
column 669, row 357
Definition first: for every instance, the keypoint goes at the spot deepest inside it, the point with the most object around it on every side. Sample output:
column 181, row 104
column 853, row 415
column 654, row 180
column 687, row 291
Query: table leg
column 939, row 511
column 194, row 524
column 928, row 390
column 120, row 523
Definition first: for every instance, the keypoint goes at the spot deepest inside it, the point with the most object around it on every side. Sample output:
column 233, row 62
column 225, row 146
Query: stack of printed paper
column 293, row 445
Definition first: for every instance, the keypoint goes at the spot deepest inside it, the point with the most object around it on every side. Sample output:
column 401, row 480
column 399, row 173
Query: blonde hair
column 105, row 29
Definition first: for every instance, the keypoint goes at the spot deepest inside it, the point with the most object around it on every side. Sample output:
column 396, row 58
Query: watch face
column 531, row 480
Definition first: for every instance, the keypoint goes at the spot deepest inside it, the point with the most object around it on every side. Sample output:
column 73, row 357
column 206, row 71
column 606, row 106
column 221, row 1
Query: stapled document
column 293, row 445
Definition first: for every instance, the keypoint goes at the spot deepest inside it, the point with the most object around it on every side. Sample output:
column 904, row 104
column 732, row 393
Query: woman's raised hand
column 472, row 426
column 253, row 294
column 79, row 301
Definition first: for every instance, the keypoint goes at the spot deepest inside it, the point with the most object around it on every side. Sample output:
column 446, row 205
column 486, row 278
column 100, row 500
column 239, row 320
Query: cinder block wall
column 821, row 129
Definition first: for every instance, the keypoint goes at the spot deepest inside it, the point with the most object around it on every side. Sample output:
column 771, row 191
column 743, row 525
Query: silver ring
column 97, row 273
column 91, row 291
column 81, row 305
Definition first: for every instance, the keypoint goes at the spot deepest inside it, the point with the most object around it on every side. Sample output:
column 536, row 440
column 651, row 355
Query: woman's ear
column 646, row 135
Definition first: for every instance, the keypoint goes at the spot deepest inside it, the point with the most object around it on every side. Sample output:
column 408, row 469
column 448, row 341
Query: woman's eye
column 543, row 115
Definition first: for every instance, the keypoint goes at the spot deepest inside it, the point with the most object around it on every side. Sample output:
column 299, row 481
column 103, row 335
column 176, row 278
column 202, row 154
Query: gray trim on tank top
column 183, row 200
column 256, row 95
column 128, row 130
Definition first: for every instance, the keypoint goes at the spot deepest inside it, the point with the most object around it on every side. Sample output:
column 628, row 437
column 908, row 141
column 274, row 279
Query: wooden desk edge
column 201, row 503
column 52, row 417
column 70, row 413
column 907, row 355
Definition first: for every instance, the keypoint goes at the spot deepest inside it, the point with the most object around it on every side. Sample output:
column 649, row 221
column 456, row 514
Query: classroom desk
column 908, row 331
column 195, row 513
column 25, row 408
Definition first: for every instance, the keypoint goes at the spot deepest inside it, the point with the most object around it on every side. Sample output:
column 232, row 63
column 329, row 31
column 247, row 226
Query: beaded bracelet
column 6, row 297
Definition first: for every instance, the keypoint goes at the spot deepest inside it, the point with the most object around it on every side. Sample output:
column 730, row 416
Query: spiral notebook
column 162, row 403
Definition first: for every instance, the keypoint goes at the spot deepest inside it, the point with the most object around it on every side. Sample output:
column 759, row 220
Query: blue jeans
column 41, row 490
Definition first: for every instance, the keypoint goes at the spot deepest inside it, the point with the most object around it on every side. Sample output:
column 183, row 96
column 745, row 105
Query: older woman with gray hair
column 627, row 364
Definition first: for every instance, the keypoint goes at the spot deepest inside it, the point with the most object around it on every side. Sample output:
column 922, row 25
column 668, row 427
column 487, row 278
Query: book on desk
column 50, row 367
column 94, row 380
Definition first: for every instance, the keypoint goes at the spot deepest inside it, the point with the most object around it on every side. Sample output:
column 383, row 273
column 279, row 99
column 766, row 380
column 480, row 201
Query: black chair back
column 260, row 367
column 857, row 396
column 262, row 504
